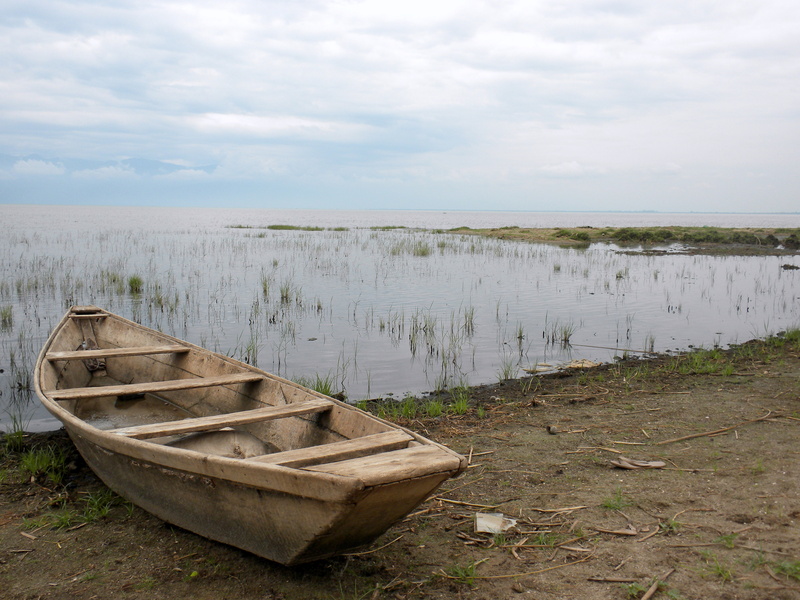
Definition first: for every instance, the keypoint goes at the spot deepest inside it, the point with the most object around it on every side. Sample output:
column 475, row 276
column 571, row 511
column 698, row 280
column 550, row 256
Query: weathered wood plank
column 225, row 420
column 109, row 352
column 153, row 386
column 336, row 451
column 398, row 465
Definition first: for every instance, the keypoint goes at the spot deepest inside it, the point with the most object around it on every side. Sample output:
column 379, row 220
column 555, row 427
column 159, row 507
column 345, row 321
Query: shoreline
column 722, row 511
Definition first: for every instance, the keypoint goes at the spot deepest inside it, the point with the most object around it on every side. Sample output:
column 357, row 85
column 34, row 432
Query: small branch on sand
column 559, row 510
column 654, row 588
column 718, row 431
column 614, row 579
column 510, row 575
column 487, row 506
column 374, row 549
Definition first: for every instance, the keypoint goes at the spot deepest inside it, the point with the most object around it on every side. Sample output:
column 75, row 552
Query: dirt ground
column 717, row 516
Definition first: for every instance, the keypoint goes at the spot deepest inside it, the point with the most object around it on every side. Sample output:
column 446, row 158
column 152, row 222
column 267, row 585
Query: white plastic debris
column 493, row 523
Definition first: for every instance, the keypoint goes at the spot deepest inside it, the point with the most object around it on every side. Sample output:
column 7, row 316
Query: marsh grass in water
column 389, row 297
column 135, row 284
column 14, row 435
column 6, row 317
column 324, row 384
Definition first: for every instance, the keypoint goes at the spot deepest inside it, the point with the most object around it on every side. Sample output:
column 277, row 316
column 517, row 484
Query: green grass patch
column 93, row 507
column 465, row 575
column 789, row 568
column 324, row 384
column 460, row 403
column 49, row 463
column 135, row 284
column 703, row 362
column 669, row 526
column 434, row 408
column 617, row 501
column 294, row 228
column 6, row 318
column 715, row 567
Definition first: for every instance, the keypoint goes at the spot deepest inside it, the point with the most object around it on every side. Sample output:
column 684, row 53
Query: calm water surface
column 379, row 313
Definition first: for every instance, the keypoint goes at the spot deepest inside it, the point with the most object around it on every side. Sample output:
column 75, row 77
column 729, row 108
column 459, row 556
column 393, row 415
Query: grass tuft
column 616, row 502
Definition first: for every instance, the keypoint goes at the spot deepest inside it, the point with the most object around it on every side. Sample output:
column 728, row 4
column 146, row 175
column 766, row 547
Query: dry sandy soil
column 718, row 519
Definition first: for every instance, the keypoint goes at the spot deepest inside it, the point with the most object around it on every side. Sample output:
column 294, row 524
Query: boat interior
column 135, row 382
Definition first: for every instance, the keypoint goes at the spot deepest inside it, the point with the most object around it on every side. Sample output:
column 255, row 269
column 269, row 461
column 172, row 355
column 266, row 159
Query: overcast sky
column 688, row 105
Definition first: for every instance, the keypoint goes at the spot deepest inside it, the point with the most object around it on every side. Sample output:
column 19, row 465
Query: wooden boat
column 226, row 450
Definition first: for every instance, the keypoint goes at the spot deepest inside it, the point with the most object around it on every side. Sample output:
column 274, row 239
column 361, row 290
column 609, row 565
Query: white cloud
column 450, row 91
column 185, row 175
column 274, row 126
column 107, row 172
column 38, row 167
column 571, row 169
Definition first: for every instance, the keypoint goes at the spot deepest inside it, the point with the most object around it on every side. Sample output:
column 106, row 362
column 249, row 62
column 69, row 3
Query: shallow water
column 377, row 312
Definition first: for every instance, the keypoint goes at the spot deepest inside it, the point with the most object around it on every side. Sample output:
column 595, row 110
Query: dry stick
column 575, row 562
column 422, row 512
column 654, row 588
column 648, row 536
column 559, row 510
column 763, row 550
column 374, row 549
column 456, row 488
column 630, row 443
column 617, row 531
column 707, row 433
column 466, row 503
column 556, row 546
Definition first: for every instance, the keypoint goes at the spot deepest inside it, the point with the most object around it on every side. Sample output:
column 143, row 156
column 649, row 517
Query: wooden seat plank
column 109, row 352
column 215, row 422
column 336, row 451
column 387, row 467
column 153, row 386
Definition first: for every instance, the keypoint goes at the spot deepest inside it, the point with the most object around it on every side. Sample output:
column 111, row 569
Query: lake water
column 378, row 312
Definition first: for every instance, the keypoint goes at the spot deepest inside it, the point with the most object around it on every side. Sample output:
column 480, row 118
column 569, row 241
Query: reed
column 411, row 299
column 6, row 318
column 324, row 384
column 460, row 401
column 509, row 369
column 135, row 285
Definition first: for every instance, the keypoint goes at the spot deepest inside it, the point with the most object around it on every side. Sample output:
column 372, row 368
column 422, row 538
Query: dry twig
column 716, row 432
